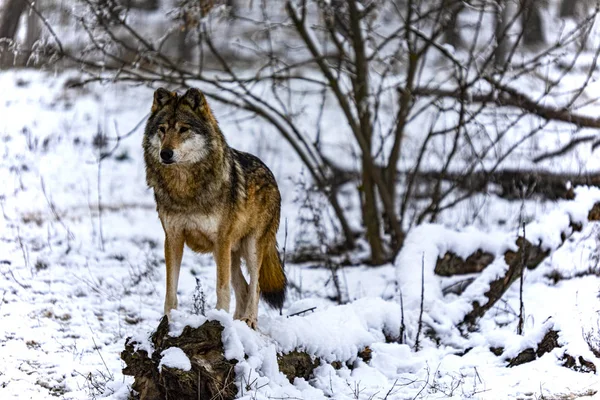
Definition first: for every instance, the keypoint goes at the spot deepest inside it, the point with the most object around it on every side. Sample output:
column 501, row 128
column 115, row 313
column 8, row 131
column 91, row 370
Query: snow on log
column 451, row 264
column 194, row 357
column 434, row 258
column 542, row 341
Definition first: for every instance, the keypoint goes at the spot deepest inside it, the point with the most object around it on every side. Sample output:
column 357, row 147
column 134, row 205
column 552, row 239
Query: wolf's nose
column 166, row 154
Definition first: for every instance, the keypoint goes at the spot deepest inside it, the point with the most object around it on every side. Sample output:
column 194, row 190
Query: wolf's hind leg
column 240, row 286
column 254, row 256
column 173, row 255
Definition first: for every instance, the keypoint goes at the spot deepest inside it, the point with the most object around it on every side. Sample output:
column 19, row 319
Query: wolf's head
column 181, row 129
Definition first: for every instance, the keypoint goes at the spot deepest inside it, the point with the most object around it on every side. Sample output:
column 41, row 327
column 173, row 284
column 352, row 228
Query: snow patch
column 174, row 357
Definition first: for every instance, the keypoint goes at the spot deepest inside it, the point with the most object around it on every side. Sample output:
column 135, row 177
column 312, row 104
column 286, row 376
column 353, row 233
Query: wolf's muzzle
column 166, row 156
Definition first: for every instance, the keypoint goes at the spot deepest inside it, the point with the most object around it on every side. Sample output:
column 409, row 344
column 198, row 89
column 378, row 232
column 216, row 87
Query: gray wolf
column 213, row 198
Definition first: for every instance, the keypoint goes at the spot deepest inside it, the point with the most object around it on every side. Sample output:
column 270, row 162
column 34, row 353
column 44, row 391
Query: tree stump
column 211, row 375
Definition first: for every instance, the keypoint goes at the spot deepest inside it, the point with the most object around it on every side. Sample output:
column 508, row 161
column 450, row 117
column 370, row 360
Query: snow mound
column 426, row 243
column 329, row 334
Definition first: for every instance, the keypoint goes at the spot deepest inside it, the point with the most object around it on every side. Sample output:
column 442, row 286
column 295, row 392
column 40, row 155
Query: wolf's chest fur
column 208, row 225
column 187, row 189
column 200, row 231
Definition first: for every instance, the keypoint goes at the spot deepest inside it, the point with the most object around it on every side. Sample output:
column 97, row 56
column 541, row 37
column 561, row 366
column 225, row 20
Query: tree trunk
column 568, row 8
column 501, row 33
column 451, row 28
column 532, row 23
column 211, row 374
column 9, row 24
column 360, row 86
column 370, row 214
column 184, row 50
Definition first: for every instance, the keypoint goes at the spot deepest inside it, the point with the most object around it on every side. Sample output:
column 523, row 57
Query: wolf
column 213, row 198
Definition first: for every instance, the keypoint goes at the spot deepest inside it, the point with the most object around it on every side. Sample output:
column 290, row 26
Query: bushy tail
column 272, row 280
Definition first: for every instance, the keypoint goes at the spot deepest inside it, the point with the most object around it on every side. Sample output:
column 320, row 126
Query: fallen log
column 513, row 184
column 211, row 375
column 510, row 184
column 451, row 264
column 526, row 255
column 548, row 343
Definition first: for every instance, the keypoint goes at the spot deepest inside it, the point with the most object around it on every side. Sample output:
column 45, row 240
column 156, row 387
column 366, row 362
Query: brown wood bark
column 211, row 376
column 360, row 85
column 532, row 255
column 451, row 264
column 9, row 20
column 451, row 28
column 371, row 220
column 568, row 8
column 505, row 183
column 548, row 343
column 360, row 92
column 501, row 32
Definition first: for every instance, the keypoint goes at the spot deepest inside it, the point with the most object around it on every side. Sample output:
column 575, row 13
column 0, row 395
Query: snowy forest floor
column 75, row 282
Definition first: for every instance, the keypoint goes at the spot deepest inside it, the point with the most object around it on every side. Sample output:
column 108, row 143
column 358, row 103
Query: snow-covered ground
column 74, row 283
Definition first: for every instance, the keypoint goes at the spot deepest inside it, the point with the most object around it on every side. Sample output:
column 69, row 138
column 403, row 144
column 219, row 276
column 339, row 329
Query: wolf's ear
column 161, row 97
column 195, row 99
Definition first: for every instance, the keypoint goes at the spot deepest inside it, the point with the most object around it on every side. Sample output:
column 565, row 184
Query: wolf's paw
column 168, row 309
column 251, row 322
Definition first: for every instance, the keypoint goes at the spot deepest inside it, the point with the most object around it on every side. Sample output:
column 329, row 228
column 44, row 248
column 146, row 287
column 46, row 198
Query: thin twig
column 417, row 343
column 302, row 312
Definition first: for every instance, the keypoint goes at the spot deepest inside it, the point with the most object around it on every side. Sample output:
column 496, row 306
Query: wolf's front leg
column 173, row 255
column 223, row 257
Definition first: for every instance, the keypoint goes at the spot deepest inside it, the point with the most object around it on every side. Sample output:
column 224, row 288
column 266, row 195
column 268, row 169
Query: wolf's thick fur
column 214, row 199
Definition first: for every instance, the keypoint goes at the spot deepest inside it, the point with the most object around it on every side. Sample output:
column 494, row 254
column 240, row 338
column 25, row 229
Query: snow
column 174, row 357
column 337, row 333
column 425, row 244
column 75, row 284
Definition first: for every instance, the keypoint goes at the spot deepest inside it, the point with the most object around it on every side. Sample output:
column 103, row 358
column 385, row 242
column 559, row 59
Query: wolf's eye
column 162, row 129
column 183, row 129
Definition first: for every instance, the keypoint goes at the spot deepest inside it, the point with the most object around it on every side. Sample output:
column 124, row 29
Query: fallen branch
column 506, row 96
column 511, row 184
column 506, row 183
column 527, row 255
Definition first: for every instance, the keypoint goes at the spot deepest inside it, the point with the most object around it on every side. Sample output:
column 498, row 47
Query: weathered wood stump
column 211, row 375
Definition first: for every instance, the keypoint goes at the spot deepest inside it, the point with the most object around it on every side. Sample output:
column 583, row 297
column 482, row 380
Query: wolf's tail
column 272, row 280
